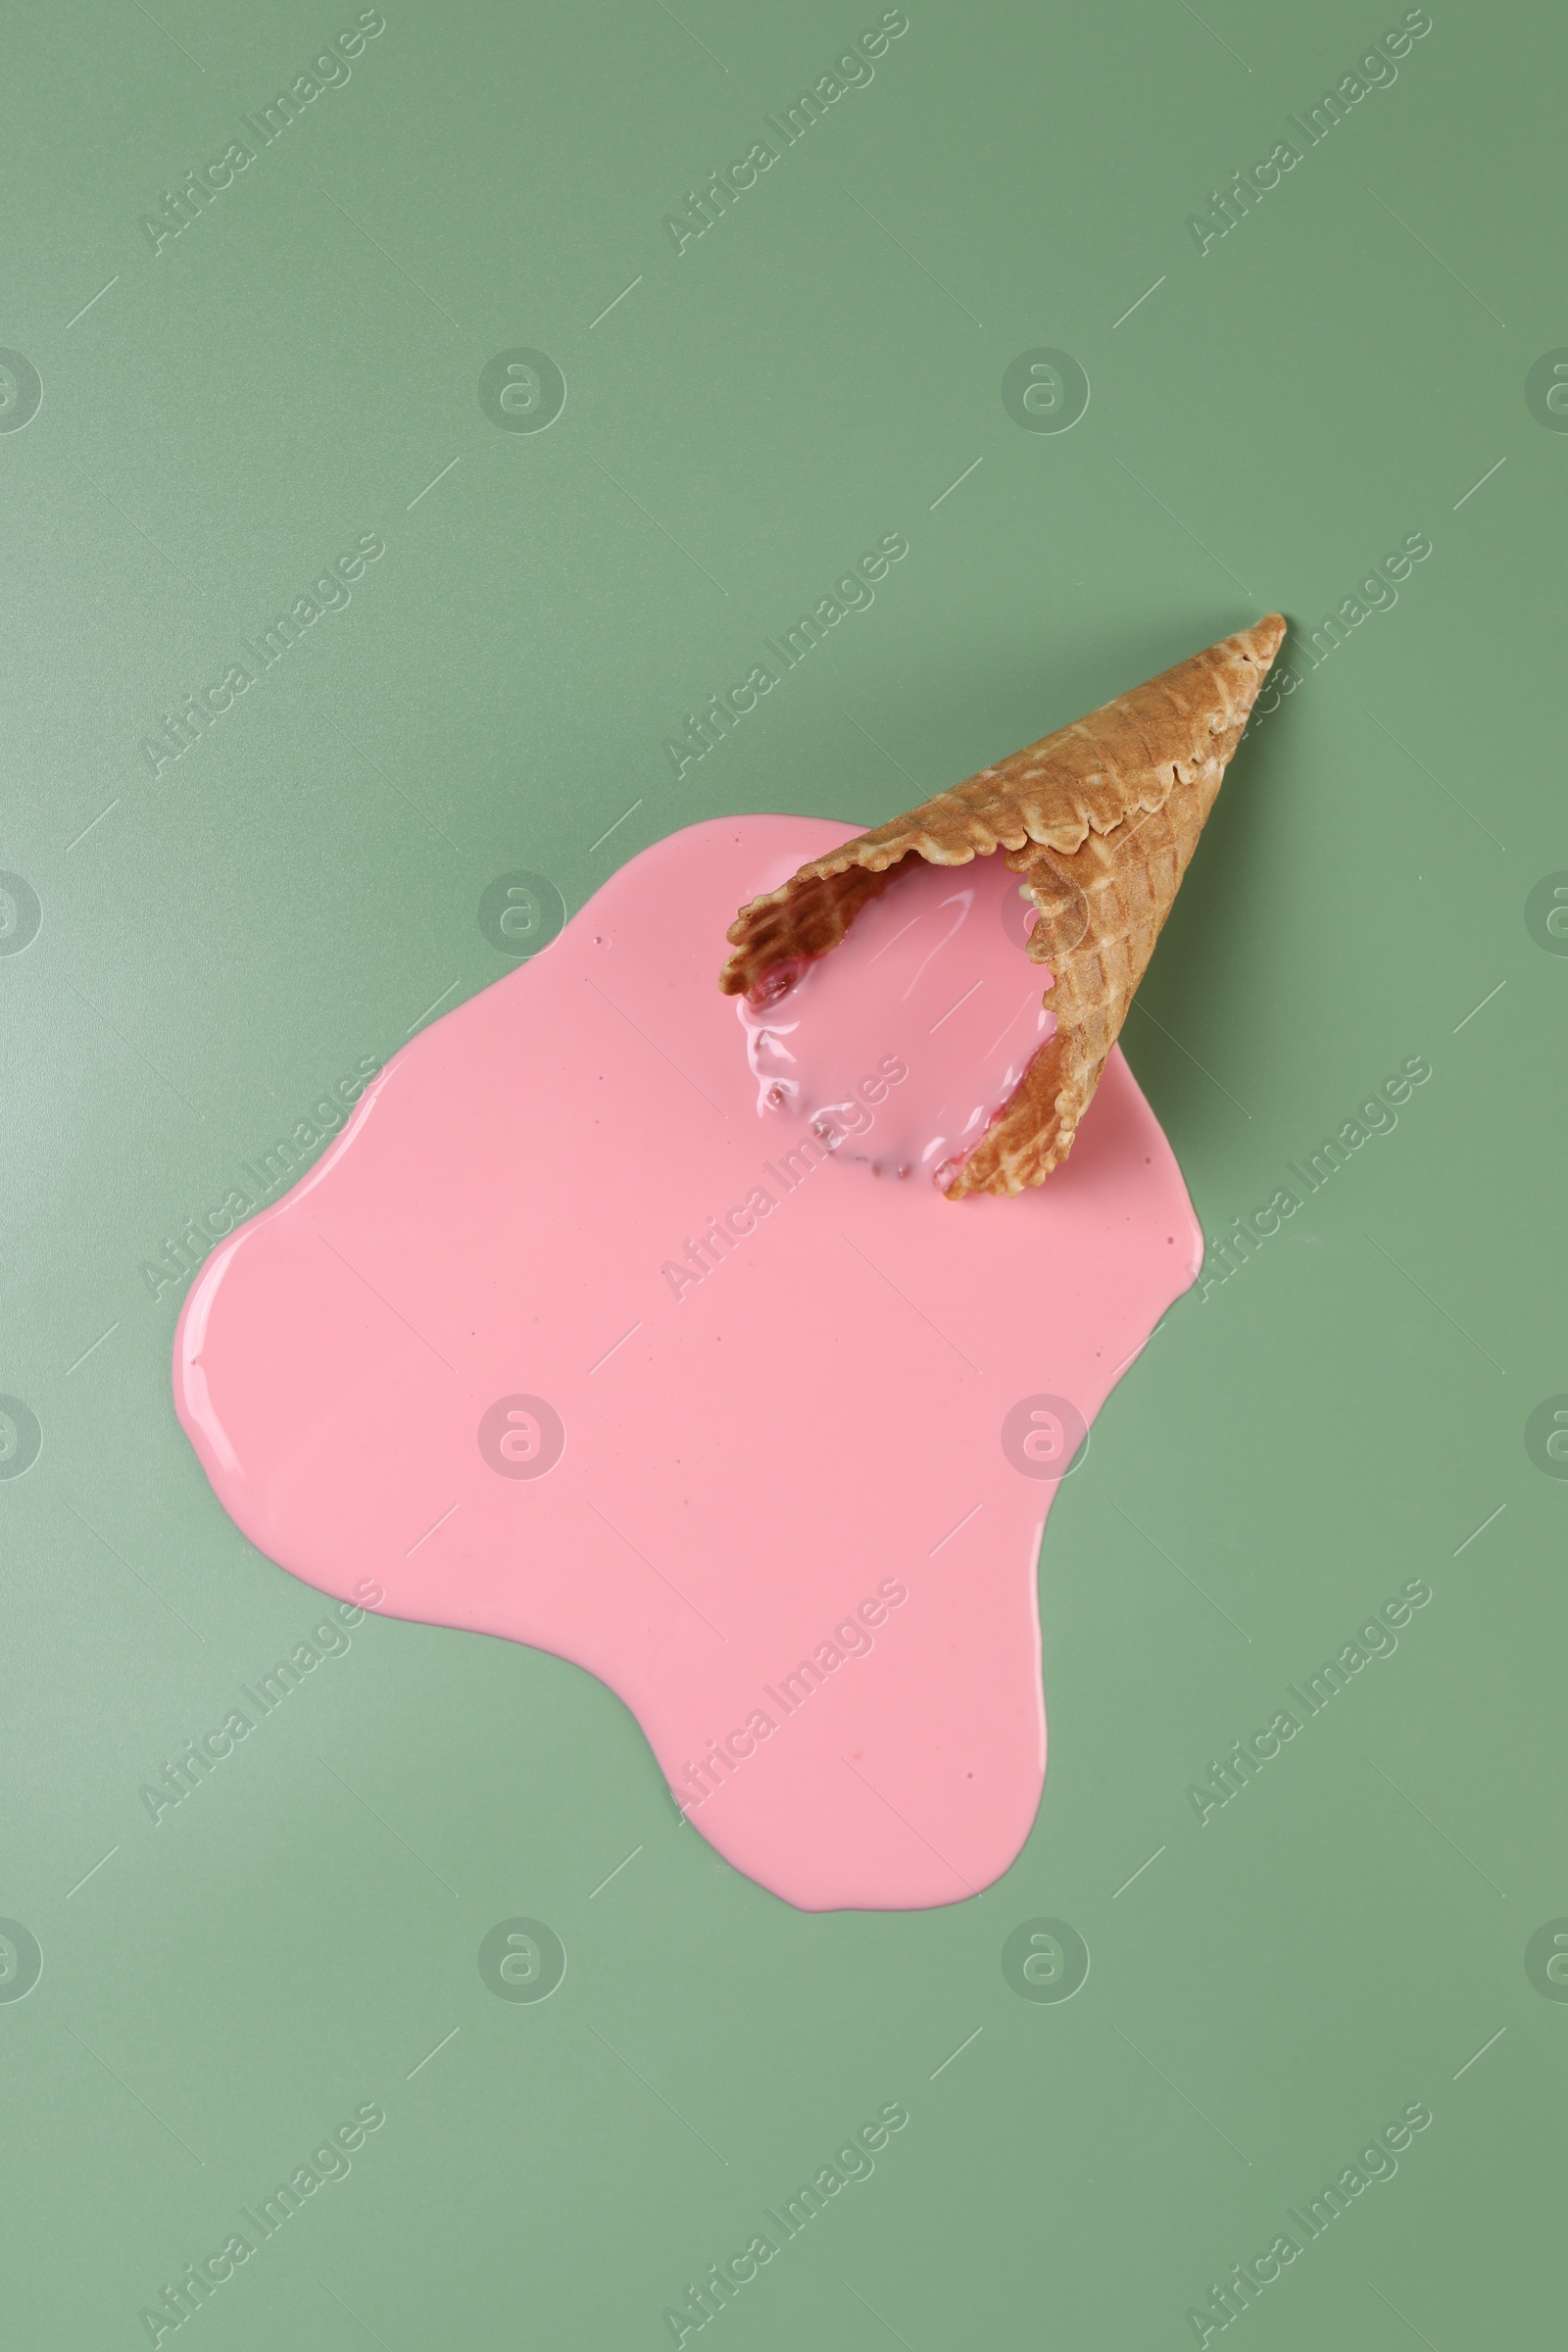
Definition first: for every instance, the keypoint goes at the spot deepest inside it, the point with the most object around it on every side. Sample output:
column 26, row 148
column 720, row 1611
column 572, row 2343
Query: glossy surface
column 561, row 1342
column 899, row 1048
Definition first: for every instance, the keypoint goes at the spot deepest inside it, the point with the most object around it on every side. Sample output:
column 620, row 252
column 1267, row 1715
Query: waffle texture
column 1099, row 822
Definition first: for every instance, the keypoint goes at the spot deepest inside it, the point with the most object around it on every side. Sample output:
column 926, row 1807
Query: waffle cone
column 1099, row 822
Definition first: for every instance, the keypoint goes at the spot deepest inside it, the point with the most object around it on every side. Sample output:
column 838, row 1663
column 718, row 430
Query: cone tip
column 1265, row 638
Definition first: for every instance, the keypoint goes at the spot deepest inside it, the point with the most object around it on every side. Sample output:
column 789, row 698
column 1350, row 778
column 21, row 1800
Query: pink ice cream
column 573, row 1339
column 918, row 973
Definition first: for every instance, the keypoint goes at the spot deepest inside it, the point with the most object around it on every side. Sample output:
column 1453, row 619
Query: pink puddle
column 783, row 1491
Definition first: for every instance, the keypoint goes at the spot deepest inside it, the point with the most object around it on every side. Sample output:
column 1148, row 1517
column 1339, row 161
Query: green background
column 221, row 942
